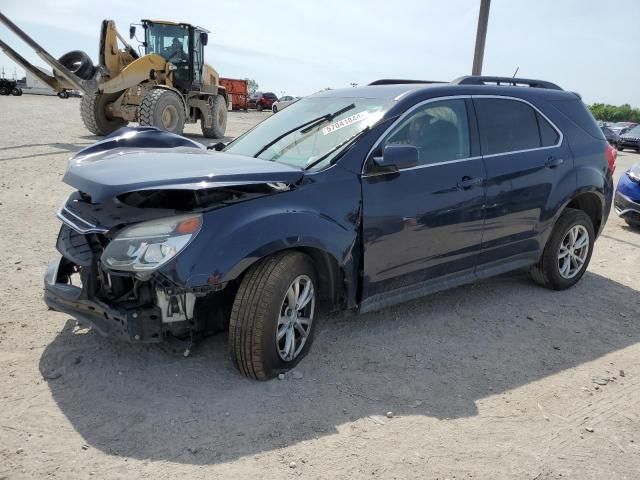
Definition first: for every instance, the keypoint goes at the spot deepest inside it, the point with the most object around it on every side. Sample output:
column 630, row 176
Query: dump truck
column 165, row 84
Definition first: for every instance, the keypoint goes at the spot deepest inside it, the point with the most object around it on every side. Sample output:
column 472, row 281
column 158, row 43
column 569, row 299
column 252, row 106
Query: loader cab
column 182, row 45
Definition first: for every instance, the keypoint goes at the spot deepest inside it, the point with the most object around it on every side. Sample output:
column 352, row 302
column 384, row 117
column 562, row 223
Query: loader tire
column 219, row 122
column 79, row 63
column 163, row 109
column 95, row 116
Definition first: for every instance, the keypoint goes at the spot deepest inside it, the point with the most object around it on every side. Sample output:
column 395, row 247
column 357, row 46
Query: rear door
column 424, row 222
column 525, row 159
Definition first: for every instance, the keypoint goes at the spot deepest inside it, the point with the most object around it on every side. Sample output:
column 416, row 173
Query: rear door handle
column 468, row 182
column 553, row 162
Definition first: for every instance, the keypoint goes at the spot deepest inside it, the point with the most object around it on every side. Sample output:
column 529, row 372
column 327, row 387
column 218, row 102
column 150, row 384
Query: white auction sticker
column 345, row 122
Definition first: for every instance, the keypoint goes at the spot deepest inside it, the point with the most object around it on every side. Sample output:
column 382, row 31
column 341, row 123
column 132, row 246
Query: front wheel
column 163, row 109
column 274, row 109
column 4, row 91
column 259, row 107
column 567, row 253
column 272, row 319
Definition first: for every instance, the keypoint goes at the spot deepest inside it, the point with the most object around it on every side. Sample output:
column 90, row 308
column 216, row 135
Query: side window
column 507, row 125
column 548, row 135
column 439, row 130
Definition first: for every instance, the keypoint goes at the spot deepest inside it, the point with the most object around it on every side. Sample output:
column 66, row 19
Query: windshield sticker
column 345, row 122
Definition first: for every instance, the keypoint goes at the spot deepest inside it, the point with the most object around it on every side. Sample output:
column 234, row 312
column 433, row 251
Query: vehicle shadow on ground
column 436, row 357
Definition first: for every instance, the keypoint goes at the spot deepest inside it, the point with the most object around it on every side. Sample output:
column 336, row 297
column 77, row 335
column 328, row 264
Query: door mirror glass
column 204, row 38
column 132, row 32
column 397, row 157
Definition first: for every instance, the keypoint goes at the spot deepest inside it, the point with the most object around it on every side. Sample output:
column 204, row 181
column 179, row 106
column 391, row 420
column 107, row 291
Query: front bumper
column 629, row 143
column 626, row 207
column 132, row 323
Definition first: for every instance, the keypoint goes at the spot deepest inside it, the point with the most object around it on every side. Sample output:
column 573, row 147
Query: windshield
column 169, row 41
column 306, row 145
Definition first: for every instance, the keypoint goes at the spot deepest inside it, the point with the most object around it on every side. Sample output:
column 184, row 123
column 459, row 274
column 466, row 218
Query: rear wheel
column 219, row 120
column 94, row 110
column 163, row 109
column 259, row 107
column 271, row 325
column 4, row 91
column 16, row 92
column 567, row 253
column 275, row 109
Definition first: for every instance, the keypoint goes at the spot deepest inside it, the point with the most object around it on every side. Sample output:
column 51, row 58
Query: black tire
column 219, row 122
column 63, row 94
column 632, row 224
column 16, row 92
column 94, row 113
column 256, row 310
column 78, row 63
column 259, row 107
column 619, row 148
column 547, row 271
column 4, row 91
column 274, row 109
column 163, row 109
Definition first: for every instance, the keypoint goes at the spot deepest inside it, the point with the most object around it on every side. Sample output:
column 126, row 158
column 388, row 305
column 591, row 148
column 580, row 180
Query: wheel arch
column 590, row 203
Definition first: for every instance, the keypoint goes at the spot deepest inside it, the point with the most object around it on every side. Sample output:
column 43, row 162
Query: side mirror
column 132, row 32
column 204, row 38
column 397, row 157
column 217, row 146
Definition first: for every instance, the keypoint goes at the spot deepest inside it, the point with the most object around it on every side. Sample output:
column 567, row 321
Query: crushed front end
column 134, row 300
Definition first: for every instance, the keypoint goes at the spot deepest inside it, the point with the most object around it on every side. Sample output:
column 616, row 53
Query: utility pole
column 481, row 36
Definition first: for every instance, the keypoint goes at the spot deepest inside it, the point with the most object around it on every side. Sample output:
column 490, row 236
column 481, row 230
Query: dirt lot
column 501, row 379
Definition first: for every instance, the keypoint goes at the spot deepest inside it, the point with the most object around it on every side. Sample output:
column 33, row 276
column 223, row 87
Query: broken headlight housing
column 148, row 245
column 634, row 173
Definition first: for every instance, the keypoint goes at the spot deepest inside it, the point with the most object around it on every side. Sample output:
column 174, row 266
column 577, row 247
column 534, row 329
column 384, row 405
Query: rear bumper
column 133, row 324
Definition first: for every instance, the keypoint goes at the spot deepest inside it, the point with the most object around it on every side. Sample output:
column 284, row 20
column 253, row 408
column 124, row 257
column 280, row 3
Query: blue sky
column 299, row 47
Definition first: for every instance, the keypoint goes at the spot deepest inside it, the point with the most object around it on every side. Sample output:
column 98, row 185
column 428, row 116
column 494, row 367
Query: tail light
column 611, row 154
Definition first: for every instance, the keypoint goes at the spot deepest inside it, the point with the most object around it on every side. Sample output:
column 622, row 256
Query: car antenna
column 514, row 73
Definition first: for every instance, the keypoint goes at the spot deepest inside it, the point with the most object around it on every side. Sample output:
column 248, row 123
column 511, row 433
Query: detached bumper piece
column 132, row 323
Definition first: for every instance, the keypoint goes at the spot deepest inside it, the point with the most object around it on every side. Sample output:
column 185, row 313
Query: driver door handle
column 468, row 182
column 553, row 162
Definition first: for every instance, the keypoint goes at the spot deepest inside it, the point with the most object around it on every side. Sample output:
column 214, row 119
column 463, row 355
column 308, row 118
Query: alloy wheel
column 295, row 318
column 573, row 251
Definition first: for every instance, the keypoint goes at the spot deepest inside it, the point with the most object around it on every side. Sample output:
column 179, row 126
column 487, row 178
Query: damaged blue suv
column 349, row 199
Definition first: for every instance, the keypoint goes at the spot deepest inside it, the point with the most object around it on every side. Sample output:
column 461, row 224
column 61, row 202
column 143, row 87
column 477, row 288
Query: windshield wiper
column 337, row 147
column 309, row 125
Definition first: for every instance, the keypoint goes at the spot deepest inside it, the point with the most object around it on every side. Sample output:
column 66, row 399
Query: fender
column 234, row 237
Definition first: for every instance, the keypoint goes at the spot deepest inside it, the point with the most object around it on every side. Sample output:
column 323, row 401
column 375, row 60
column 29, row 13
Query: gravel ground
column 501, row 379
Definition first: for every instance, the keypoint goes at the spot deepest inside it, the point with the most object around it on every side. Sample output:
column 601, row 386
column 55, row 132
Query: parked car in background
column 627, row 199
column 352, row 199
column 262, row 101
column 612, row 137
column 630, row 139
column 283, row 102
column 622, row 127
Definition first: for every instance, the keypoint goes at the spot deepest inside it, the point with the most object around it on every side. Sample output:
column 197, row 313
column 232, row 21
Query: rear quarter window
column 579, row 114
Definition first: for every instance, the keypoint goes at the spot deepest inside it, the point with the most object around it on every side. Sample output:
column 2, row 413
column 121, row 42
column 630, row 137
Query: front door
column 424, row 223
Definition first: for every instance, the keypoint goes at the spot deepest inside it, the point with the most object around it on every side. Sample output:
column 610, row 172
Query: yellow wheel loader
column 168, row 86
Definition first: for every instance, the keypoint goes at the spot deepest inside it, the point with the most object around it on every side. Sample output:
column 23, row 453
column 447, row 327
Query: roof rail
column 514, row 82
column 400, row 81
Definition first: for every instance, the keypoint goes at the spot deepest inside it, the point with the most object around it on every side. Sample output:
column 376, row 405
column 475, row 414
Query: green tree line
column 613, row 113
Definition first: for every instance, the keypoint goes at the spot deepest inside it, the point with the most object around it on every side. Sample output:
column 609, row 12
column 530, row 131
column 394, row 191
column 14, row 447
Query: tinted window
column 440, row 131
column 548, row 135
column 506, row 125
column 579, row 114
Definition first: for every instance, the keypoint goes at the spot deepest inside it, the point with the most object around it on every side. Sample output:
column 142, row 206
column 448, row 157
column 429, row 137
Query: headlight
column 148, row 245
column 634, row 173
